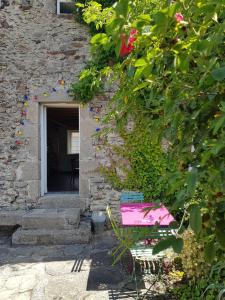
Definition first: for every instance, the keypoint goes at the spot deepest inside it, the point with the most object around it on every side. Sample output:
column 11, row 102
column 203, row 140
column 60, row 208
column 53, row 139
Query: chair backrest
column 131, row 197
column 74, row 163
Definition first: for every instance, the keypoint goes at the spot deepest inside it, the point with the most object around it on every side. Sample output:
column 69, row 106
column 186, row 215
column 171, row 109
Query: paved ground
column 77, row 272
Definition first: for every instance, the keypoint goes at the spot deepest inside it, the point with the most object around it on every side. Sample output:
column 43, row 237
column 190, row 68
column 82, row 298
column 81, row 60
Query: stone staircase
column 63, row 201
column 57, row 220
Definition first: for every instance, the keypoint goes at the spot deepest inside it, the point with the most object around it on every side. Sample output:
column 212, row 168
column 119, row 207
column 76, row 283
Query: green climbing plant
column 92, row 78
column 142, row 162
column 171, row 87
column 175, row 77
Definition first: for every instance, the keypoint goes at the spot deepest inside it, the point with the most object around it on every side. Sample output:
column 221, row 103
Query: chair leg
column 155, row 281
column 133, row 280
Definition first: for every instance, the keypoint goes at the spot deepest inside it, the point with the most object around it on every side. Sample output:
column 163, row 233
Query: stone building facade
column 40, row 55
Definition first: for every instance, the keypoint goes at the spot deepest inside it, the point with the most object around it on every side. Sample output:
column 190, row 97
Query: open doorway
column 63, row 147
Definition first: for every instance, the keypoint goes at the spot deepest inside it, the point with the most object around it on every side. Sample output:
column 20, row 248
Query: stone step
column 63, row 201
column 11, row 218
column 51, row 219
column 81, row 235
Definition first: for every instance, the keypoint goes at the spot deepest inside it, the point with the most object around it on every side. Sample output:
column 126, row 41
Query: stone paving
column 75, row 272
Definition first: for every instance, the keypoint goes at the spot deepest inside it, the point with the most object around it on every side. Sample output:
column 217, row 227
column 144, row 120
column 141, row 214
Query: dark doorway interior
column 63, row 149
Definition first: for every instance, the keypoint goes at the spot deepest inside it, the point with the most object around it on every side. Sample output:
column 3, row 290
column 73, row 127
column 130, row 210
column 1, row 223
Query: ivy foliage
column 175, row 76
column 92, row 78
column 141, row 160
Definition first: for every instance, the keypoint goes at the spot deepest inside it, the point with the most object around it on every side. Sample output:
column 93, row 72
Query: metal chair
column 140, row 242
column 74, row 170
column 131, row 197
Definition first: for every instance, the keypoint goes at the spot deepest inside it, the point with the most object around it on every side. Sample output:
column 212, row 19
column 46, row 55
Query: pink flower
column 179, row 17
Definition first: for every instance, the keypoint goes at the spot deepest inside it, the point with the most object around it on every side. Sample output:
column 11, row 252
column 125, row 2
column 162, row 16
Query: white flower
column 190, row 168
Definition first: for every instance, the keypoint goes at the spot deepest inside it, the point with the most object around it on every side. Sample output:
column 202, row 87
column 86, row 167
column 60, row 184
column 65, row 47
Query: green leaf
column 210, row 251
column 220, row 236
column 195, row 219
column 177, row 245
column 99, row 39
column 130, row 71
column 141, row 21
column 81, row 5
column 181, row 230
column 205, row 157
column 219, row 124
column 141, row 86
column 118, row 47
column 139, row 72
column 161, row 21
column 221, row 294
column 141, row 62
column 212, row 286
column 221, row 207
column 218, row 74
column 182, row 62
column 162, row 245
column 121, row 8
column 192, row 181
column 172, row 9
column 172, row 241
column 114, row 27
column 217, row 148
column 222, row 106
column 144, row 17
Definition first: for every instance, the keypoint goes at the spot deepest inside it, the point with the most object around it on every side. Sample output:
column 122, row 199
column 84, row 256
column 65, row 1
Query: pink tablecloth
column 133, row 214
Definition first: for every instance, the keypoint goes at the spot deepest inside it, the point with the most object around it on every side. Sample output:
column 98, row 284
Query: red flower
column 128, row 46
column 179, row 17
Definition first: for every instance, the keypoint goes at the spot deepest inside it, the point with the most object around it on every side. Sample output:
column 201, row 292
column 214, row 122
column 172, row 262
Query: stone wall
column 101, row 192
column 39, row 50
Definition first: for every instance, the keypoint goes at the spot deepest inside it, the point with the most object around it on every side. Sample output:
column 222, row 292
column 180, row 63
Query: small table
column 135, row 214
column 140, row 222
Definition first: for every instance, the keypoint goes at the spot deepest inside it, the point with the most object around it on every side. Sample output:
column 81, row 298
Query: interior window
column 73, row 142
column 65, row 6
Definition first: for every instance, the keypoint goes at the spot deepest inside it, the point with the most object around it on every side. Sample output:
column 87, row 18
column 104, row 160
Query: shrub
column 193, row 257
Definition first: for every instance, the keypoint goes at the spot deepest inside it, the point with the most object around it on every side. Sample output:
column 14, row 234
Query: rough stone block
column 88, row 167
column 51, row 219
column 11, row 218
column 32, row 237
column 31, row 131
column 63, row 201
column 33, row 113
column 34, row 189
column 80, row 235
column 33, row 148
column 30, row 171
column 84, row 188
